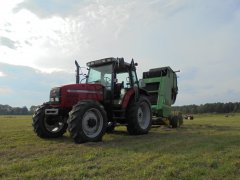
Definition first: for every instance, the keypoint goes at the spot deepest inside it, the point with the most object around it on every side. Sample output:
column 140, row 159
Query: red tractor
column 110, row 95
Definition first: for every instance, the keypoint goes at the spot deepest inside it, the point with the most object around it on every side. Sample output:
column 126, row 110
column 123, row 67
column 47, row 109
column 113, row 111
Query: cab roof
column 104, row 61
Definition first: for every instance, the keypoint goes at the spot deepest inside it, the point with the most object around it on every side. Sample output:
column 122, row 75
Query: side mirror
column 136, row 64
column 142, row 83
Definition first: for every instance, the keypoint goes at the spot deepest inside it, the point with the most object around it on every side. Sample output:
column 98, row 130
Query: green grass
column 207, row 147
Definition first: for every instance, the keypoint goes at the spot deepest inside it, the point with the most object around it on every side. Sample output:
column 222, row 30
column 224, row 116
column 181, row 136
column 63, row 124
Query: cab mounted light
column 101, row 61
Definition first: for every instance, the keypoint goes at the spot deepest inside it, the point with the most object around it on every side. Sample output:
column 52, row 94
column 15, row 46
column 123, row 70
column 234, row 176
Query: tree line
column 209, row 108
column 8, row 110
column 187, row 109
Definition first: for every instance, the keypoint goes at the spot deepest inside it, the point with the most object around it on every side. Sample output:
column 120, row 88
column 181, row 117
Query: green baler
column 161, row 84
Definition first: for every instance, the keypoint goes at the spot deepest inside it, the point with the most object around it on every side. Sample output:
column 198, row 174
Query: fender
column 130, row 93
column 144, row 92
column 127, row 97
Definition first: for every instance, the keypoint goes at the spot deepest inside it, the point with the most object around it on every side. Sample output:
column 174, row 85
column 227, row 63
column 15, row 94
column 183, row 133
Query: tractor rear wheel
column 87, row 122
column 48, row 126
column 139, row 116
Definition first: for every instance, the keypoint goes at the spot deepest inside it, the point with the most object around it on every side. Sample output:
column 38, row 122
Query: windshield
column 100, row 75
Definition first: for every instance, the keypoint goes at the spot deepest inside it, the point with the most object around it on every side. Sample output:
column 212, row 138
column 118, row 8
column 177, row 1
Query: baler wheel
column 174, row 122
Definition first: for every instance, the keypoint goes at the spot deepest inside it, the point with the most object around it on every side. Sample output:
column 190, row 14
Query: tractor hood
column 71, row 94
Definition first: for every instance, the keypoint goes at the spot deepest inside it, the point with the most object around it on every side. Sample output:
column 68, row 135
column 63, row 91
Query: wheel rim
column 143, row 115
column 53, row 124
column 92, row 123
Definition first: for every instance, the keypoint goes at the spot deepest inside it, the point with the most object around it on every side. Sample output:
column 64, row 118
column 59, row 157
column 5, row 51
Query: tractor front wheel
column 87, row 122
column 139, row 116
column 48, row 126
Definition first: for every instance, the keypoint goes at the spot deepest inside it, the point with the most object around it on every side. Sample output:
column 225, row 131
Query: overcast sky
column 39, row 41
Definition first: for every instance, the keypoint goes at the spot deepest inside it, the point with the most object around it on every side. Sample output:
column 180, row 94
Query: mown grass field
column 207, row 147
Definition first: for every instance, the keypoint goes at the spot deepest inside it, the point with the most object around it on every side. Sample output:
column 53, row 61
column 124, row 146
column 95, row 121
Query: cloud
column 201, row 38
column 5, row 90
column 51, row 8
column 4, row 41
column 152, row 30
column 28, row 86
column 2, row 74
column 65, row 39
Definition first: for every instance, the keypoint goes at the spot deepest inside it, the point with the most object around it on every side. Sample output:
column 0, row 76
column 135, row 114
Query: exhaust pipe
column 77, row 72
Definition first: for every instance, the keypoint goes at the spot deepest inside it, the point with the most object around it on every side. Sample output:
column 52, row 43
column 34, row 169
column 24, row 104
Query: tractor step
column 119, row 114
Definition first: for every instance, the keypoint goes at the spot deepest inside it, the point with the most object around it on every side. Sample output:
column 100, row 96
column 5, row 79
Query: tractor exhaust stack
column 77, row 72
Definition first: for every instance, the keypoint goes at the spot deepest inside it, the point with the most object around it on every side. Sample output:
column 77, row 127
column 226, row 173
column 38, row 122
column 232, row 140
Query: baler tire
column 139, row 116
column 87, row 122
column 180, row 120
column 174, row 122
column 39, row 124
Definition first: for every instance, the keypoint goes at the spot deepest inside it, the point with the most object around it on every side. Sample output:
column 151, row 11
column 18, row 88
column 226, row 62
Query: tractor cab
column 115, row 75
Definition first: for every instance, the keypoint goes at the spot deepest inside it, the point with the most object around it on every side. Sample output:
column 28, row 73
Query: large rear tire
column 48, row 126
column 87, row 122
column 139, row 116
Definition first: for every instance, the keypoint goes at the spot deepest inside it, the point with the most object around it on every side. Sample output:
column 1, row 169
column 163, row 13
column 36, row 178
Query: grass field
column 207, row 147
